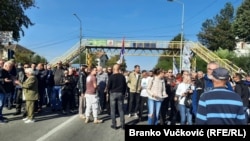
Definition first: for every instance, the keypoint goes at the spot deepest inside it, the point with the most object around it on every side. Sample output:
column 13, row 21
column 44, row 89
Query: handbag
column 188, row 101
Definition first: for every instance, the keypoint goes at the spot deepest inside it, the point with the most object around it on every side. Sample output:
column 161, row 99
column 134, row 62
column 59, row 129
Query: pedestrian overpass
column 143, row 48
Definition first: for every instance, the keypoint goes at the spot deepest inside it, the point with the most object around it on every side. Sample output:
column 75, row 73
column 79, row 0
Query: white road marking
column 44, row 137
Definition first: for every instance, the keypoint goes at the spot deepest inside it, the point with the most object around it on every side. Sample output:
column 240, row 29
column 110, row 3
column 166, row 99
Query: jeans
column 49, row 92
column 118, row 98
column 56, row 98
column 153, row 111
column 134, row 103
column 8, row 100
column 2, row 99
column 142, row 107
column 102, row 98
column 185, row 113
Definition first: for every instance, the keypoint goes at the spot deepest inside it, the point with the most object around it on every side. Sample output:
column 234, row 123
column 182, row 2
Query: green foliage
column 243, row 62
column 37, row 59
column 164, row 63
column 201, row 65
column 217, row 32
column 241, row 25
column 27, row 57
column 225, row 54
column 13, row 18
column 83, row 59
column 167, row 62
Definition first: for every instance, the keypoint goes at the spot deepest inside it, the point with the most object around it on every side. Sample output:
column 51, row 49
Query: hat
column 220, row 73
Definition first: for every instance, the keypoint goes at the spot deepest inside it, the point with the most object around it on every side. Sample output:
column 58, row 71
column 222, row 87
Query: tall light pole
column 182, row 31
column 80, row 39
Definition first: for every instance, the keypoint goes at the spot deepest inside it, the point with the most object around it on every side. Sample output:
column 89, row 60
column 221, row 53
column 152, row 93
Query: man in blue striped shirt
column 220, row 106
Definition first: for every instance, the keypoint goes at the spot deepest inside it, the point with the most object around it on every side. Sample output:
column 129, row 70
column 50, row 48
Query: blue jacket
column 208, row 86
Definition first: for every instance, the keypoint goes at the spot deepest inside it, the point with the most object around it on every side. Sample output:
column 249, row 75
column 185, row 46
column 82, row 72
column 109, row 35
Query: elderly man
column 30, row 91
column 5, row 79
column 220, row 106
column 102, row 82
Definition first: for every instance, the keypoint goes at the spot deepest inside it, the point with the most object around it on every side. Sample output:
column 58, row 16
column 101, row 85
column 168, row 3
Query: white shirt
column 181, row 88
column 144, row 84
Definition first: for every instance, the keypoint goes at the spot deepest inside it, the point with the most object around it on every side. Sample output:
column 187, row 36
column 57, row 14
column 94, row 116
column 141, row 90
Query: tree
column 23, row 57
column 241, row 25
column 13, row 18
column 167, row 62
column 83, row 59
column 113, row 60
column 218, row 32
column 37, row 59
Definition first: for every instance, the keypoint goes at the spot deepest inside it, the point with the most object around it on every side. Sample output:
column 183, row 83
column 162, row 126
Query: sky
column 56, row 29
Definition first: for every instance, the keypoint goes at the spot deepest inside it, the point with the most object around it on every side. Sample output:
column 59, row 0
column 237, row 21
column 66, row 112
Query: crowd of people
column 157, row 96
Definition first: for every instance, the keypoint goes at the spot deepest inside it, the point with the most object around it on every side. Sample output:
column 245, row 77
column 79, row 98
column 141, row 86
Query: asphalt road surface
column 54, row 126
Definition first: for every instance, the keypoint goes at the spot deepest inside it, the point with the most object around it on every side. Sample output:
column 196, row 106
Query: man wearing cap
column 207, row 85
column 220, row 106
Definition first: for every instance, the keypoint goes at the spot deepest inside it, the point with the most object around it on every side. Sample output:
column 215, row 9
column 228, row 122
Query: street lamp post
column 80, row 39
column 182, row 31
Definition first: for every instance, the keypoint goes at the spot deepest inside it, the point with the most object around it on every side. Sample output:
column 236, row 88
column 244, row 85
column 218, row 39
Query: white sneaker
column 29, row 121
column 24, row 119
column 82, row 117
column 136, row 115
column 129, row 115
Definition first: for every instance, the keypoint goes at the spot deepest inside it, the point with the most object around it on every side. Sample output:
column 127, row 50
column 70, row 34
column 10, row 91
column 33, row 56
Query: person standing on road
column 220, row 106
column 92, row 100
column 58, row 82
column 41, row 75
column 4, row 78
column 242, row 89
column 134, row 84
column 143, row 94
column 82, row 88
column 117, row 87
column 19, row 100
column 102, row 81
column 30, row 91
column 156, row 93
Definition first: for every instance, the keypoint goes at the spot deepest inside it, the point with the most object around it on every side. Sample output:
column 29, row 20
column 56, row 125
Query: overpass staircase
column 70, row 55
column 208, row 56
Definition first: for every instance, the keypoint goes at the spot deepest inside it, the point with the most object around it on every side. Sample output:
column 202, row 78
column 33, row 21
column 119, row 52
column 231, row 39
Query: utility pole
column 182, row 31
column 80, row 39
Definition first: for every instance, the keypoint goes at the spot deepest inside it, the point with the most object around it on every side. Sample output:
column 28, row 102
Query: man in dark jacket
column 4, row 79
column 117, row 87
column 242, row 89
column 19, row 91
column 82, row 88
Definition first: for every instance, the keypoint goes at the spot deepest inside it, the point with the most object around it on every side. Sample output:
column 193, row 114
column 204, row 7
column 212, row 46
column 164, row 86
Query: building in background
column 101, row 59
column 242, row 48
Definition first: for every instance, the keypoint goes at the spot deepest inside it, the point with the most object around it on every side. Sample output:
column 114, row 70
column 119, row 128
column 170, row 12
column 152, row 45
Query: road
column 51, row 126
